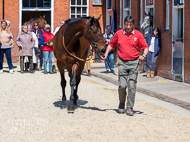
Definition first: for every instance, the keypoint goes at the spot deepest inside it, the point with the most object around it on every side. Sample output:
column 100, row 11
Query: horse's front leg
column 73, row 84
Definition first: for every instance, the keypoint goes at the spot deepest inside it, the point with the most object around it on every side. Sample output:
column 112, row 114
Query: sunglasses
column 35, row 25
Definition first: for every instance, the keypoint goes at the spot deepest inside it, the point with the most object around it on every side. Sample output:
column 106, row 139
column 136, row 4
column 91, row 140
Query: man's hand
column 141, row 58
column 105, row 56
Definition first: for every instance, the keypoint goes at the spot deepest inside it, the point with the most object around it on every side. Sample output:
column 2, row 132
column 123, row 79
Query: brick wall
column 12, row 14
column 187, row 42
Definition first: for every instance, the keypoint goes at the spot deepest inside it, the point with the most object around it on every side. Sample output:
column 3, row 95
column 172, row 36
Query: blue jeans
column 110, row 59
column 8, row 56
column 48, row 55
column 151, row 61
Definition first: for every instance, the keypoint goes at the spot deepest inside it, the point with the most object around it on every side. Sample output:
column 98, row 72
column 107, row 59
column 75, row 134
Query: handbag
column 36, row 51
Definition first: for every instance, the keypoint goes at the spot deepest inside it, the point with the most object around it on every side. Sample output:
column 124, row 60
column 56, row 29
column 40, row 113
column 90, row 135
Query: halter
column 93, row 42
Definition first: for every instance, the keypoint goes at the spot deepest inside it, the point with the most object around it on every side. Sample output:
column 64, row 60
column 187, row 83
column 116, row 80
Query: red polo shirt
column 128, row 44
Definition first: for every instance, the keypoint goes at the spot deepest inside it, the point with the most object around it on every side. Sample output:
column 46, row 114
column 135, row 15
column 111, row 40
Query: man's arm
column 109, row 48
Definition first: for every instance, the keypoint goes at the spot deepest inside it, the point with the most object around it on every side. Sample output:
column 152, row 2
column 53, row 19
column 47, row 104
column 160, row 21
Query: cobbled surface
column 30, row 112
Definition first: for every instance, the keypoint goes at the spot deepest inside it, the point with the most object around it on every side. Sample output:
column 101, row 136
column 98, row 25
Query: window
column 36, row 3
column 149, row 2
column 97, row 2
column 167, row 14
column 178, row 2
column 79, row 8
column 141, row 14
column 127, row 5
column 109, row 4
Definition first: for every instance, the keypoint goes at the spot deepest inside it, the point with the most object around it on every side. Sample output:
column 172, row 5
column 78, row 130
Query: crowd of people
column 33, row 43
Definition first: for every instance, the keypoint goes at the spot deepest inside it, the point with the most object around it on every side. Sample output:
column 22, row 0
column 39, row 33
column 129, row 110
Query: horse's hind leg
column 63, row 85
column 75, row 91
column 73, row 84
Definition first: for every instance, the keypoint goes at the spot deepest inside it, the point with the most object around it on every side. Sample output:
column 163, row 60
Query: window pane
column 32, row 3
column 109, row 4
column 84, row 15
column 78, row 16
column 178, row 2
column 40, row 3
column 72, row 16
column 25, row 3
column 72, row 2
column 73, row 10
column 78, row 2
column 78, row 10
column 127, row 4
column 46, row 3
column 84, row 10
column 84, row 2
column 149, row 2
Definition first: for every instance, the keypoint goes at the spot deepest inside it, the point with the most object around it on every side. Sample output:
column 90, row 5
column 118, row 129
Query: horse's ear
column 91, row 21
column 99, row 17
column 44, row 16
column 41, row 17
column 149, row 13
column 145, row 13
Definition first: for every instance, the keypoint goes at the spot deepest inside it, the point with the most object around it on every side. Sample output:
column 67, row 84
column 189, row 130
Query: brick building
column 20, row 11
column 172, row 18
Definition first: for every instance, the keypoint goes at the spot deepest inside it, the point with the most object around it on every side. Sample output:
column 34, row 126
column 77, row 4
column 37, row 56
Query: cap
column 108, row 28
column 47, row 26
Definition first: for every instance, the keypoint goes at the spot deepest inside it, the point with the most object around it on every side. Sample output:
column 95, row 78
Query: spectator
column 7, row 42
column 129, row 41
column 57, row 29
column 34, row 57
column 39, row 31
column 153, row 42
column 47, row 42
column 9, row 24
column 25, row 42
column 108, row 35
column 88, row 62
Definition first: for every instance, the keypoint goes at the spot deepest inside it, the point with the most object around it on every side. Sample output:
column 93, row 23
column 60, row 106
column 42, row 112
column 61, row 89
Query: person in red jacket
column 47, row 42
column 128, row 41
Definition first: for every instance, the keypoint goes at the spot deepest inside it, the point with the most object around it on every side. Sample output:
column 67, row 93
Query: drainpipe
column 120, row 13
column 3, row 10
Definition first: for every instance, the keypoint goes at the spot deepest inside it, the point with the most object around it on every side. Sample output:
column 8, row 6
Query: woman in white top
column 154, row 44
column 35, row 45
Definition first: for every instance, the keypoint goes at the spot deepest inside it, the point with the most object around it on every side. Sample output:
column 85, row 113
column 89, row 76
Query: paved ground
column 29, row 111
column 165, row 89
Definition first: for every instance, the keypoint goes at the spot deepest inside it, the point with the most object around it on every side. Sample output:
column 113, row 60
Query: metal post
column 3, row 10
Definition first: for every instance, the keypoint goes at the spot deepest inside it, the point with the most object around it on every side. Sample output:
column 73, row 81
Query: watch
column 144, row 55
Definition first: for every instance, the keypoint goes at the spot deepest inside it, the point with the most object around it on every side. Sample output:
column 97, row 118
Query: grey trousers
column 128, row 67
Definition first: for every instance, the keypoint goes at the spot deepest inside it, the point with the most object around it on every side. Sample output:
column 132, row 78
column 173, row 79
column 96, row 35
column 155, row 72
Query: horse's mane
column 96, row 23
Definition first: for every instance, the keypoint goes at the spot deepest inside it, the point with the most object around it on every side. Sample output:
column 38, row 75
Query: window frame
column 167, row 14
column 36, row 7
column 126, row 10
column 79, row 6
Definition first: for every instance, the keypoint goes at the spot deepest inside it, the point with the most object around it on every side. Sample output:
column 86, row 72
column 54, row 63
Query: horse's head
column 94, row 35
column 42, row 22
column 148, row 21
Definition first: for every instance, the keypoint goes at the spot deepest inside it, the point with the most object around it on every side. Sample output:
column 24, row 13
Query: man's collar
column 126, row 32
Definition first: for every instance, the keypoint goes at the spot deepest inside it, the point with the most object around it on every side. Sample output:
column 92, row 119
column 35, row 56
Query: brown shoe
column 121, row 107
column 148, row 74
column 45, row 72
column 152, row 74
column 51, row 72
column 129, row 112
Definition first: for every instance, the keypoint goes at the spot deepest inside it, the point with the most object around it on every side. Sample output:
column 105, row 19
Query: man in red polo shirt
column 128, row 40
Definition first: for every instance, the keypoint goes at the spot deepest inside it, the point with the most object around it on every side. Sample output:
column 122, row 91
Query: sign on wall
column 97, row 2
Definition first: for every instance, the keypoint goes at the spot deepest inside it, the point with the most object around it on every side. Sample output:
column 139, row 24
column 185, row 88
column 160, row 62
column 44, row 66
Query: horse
column 41, row 21
column 148, row 21
column 71, row 45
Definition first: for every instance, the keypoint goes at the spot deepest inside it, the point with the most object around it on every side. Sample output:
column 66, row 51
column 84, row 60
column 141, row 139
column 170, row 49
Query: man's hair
column 129, row 19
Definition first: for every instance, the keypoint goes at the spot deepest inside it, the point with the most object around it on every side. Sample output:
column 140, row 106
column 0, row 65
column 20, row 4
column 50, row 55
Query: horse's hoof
column 75, row 103
column 71, row 109
column 63, row 106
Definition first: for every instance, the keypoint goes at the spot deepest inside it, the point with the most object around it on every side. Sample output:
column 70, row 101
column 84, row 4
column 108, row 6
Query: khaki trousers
column 131, row 68
column 88, row 65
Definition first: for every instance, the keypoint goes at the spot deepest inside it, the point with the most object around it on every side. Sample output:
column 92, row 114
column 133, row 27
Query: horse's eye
column 94, row 32
column 44, row 23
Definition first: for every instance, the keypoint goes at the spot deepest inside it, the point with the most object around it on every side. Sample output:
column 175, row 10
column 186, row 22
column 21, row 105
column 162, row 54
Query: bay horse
column 71, row 45
column 41, row 21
